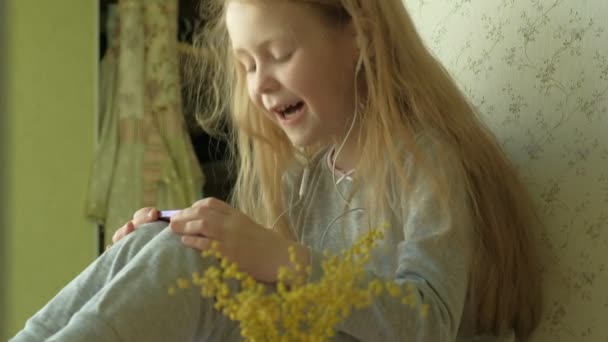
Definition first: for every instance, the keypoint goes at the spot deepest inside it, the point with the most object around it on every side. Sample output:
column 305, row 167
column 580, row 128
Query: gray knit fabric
column 123, row 296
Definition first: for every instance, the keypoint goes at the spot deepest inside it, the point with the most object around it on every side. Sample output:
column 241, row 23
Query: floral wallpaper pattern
column 538, row 72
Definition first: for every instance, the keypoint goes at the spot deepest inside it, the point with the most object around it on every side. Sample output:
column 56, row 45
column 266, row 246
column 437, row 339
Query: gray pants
column 123, row 296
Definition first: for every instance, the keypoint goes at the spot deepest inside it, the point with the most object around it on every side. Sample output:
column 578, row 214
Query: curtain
column 144, row 155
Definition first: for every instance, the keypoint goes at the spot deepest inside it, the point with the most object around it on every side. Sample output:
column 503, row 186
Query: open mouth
column 288, row 111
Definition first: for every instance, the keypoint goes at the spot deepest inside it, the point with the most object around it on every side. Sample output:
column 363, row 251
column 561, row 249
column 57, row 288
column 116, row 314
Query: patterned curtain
column 144, row 155
column 538, row 72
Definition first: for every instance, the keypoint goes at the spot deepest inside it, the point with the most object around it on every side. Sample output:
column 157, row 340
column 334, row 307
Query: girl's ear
column 363, row 47
column 360, row 43
column 360, row 37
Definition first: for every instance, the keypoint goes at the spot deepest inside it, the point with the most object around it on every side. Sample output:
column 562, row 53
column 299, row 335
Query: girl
column 342, row 121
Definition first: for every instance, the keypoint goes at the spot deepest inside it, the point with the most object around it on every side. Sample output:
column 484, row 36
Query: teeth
column 284, row 108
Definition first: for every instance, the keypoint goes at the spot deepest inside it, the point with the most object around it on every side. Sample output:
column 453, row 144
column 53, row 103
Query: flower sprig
column 295, row 309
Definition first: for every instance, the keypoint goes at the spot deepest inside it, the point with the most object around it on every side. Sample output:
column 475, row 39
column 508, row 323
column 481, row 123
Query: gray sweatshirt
column 122, row 296
column 424, row 247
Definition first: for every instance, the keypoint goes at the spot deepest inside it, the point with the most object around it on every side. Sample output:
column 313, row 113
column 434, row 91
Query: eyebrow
column 262, row 45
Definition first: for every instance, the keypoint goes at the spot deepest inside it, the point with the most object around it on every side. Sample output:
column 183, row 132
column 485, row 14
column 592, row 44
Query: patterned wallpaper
column 538, row 72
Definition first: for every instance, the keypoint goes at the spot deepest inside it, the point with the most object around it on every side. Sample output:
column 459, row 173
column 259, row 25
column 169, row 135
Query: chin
column 301, row 142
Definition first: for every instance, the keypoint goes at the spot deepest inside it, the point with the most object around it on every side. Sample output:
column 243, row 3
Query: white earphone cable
column 306, row 173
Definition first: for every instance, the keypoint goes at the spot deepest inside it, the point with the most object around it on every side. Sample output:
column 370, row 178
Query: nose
column 264, row 82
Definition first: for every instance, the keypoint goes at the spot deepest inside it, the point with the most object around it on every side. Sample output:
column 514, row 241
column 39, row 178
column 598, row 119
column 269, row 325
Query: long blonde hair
column 406, row 91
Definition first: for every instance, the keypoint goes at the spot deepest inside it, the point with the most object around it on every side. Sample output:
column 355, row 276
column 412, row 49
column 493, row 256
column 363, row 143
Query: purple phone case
column 165, row 215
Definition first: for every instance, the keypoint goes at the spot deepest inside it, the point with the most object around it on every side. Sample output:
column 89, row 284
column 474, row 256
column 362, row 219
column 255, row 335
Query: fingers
column 145, row 215
column 201, row 218
column 203, row 208
column 204, row 219
column 209, row 225
column 214, row 204
column 123, row 231
column 141, row 216
column 197, row 242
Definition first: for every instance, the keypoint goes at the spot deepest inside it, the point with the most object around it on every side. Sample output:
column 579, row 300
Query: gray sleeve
column 433, row 259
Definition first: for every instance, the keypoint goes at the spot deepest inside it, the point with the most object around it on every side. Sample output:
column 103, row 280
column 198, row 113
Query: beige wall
column 538, row 71
column 52, row 47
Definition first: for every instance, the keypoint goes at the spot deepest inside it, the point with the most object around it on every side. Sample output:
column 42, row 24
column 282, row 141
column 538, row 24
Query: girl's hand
column 256, row 250
column 142, row 216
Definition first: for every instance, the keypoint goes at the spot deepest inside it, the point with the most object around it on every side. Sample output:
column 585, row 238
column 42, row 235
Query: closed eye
column 284, row 57
column 248, row 65
column 251, row 68
column 247, row 62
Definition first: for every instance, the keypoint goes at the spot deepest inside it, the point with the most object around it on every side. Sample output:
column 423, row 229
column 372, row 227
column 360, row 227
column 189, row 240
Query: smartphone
column 165, row 215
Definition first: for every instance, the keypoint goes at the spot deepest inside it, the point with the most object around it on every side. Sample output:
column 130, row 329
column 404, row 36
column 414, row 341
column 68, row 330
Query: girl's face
column 300, row 69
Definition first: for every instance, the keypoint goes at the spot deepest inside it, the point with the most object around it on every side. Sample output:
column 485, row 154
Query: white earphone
column 301, row 193
column 303, row 183
column 361, row 42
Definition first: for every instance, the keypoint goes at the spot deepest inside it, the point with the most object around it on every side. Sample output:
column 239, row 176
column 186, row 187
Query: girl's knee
column 147, row 232
column 168, row 242
column 137, row 240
